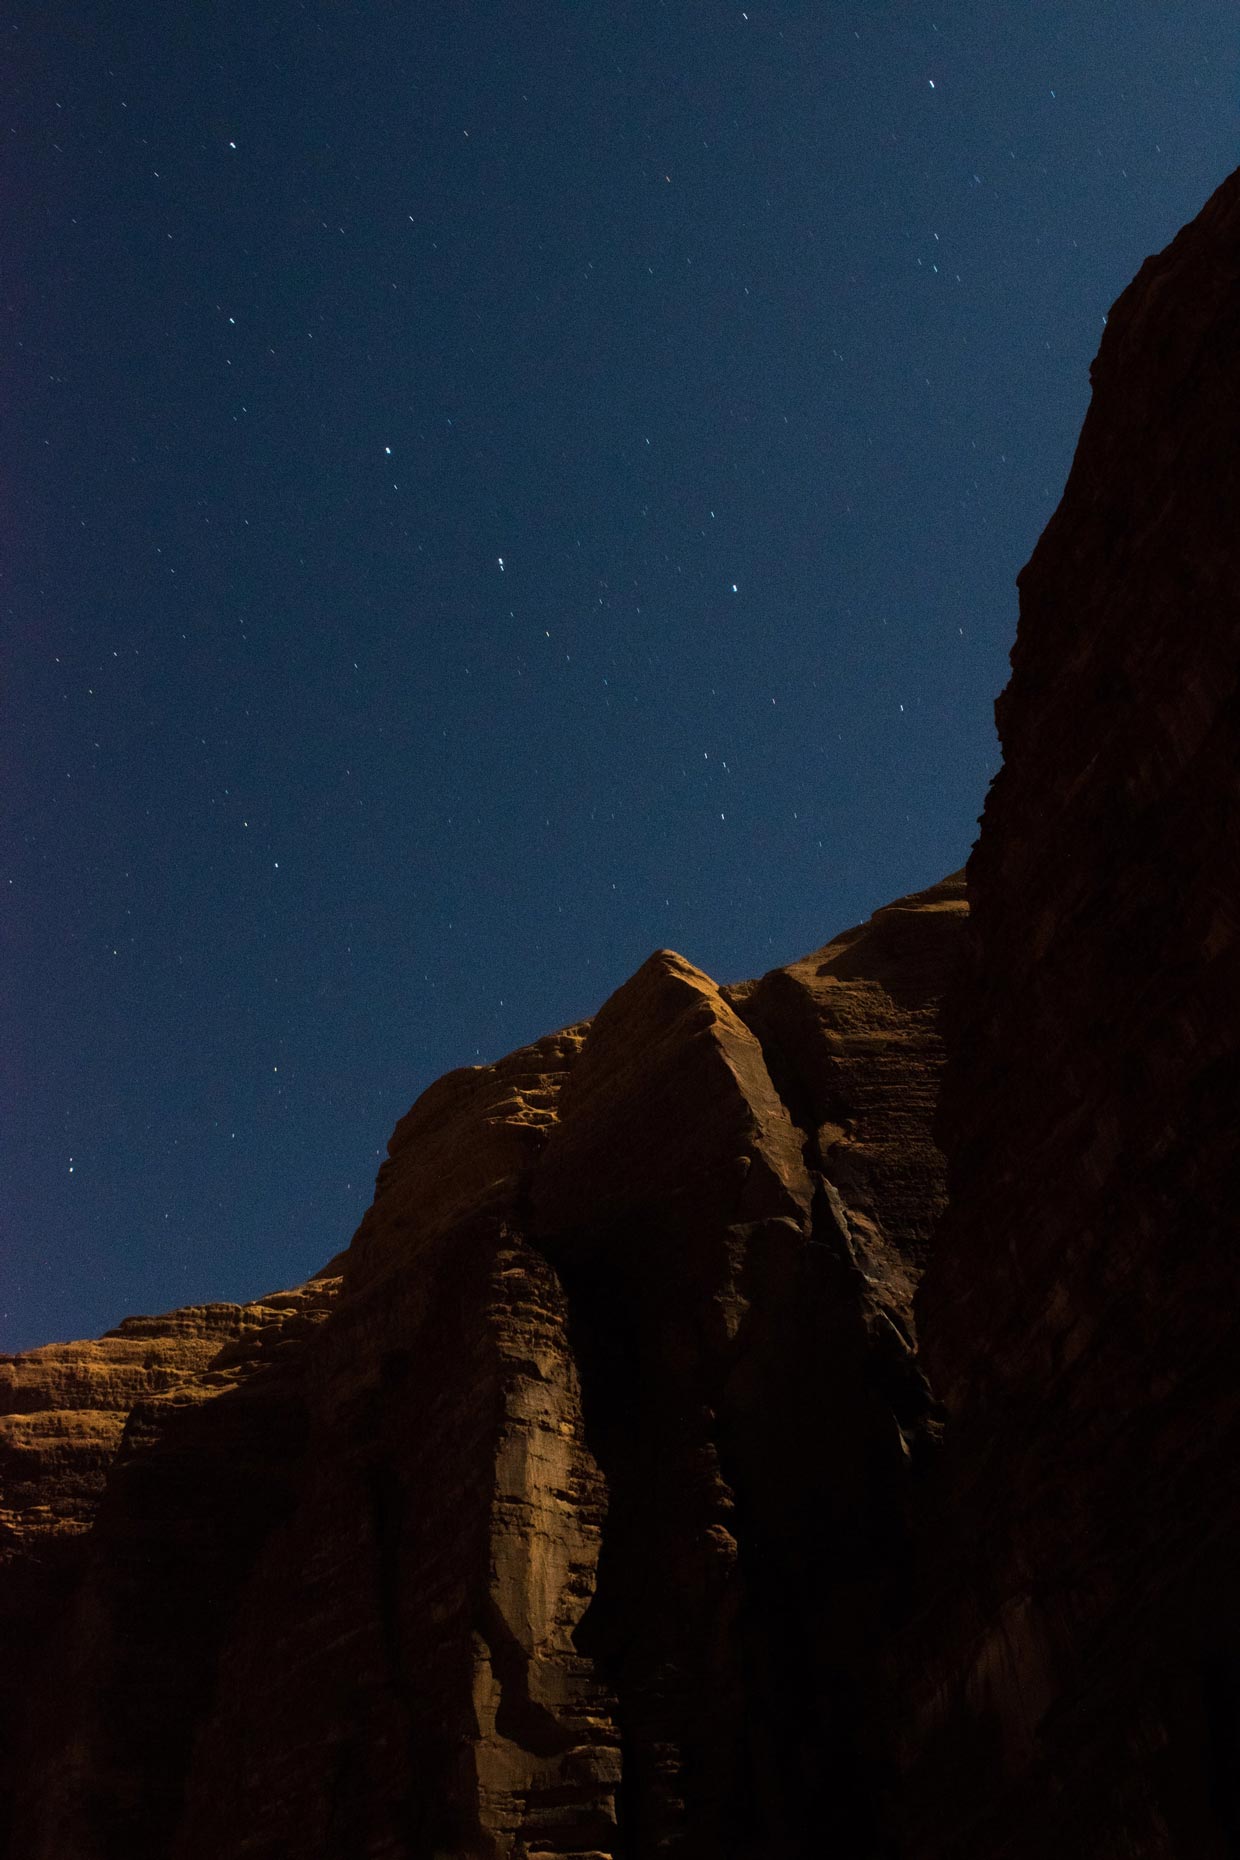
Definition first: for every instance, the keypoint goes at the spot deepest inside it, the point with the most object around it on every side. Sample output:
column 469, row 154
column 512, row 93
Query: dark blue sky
column 754, row 343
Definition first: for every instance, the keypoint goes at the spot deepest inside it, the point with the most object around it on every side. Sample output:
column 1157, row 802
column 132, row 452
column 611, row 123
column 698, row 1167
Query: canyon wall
column 550, row 1519
column 1072, row 1681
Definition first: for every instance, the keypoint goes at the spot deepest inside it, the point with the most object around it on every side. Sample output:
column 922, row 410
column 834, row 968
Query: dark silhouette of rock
column 1070, row 1683
column 545, row 1521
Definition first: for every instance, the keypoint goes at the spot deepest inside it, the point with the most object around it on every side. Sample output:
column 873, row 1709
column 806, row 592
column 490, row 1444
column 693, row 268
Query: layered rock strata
column 556, row 1526
column 138, row 1473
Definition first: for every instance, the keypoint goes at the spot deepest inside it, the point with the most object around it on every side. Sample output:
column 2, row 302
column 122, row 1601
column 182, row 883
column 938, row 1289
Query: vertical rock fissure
column 818, row 1547
column 594, row 1348
column 387, row 1523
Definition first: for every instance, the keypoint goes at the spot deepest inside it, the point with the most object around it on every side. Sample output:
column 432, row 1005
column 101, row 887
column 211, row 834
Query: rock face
column 669, row 1468
column 548, row 1521
column 1072, row 1677
column 139, row 1473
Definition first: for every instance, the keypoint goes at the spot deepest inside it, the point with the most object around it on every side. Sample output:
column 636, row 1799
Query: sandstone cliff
column 551, row 1517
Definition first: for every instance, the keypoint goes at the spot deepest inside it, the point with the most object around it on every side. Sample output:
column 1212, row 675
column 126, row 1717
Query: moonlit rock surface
column 545, row 1520
column 1070, row 1682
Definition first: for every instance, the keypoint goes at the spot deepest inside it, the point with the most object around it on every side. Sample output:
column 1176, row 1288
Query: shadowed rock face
column 139, row 1475
column 1072, row 1680
column 550, row 1519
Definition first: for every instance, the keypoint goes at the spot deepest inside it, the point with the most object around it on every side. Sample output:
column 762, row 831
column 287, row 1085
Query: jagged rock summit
column 542, row 1520
column 678, row 1465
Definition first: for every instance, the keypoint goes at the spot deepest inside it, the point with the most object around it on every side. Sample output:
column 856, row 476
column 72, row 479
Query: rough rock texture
column 137, row 1474
column 550, row 1520
column 853, row 1040
column 1071, row 1677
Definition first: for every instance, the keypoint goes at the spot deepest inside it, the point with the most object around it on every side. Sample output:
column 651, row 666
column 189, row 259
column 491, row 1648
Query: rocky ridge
column 530, row 1527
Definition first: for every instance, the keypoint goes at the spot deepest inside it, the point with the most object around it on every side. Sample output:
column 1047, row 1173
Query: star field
column 490, row 492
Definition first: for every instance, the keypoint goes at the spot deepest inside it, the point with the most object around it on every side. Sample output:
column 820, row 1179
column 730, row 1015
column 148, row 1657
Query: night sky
column 490, row 490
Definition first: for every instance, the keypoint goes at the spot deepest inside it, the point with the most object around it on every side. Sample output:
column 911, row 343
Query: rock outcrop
column 139, row 1474
column 549, row 1521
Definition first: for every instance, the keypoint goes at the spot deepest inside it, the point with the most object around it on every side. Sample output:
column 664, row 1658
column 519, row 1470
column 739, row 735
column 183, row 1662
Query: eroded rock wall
column 139, row 1475
column 559, row 1530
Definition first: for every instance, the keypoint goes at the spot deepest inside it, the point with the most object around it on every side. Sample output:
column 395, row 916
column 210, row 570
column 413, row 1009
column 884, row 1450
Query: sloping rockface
column 1069, row 1682
column 553, row 1516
